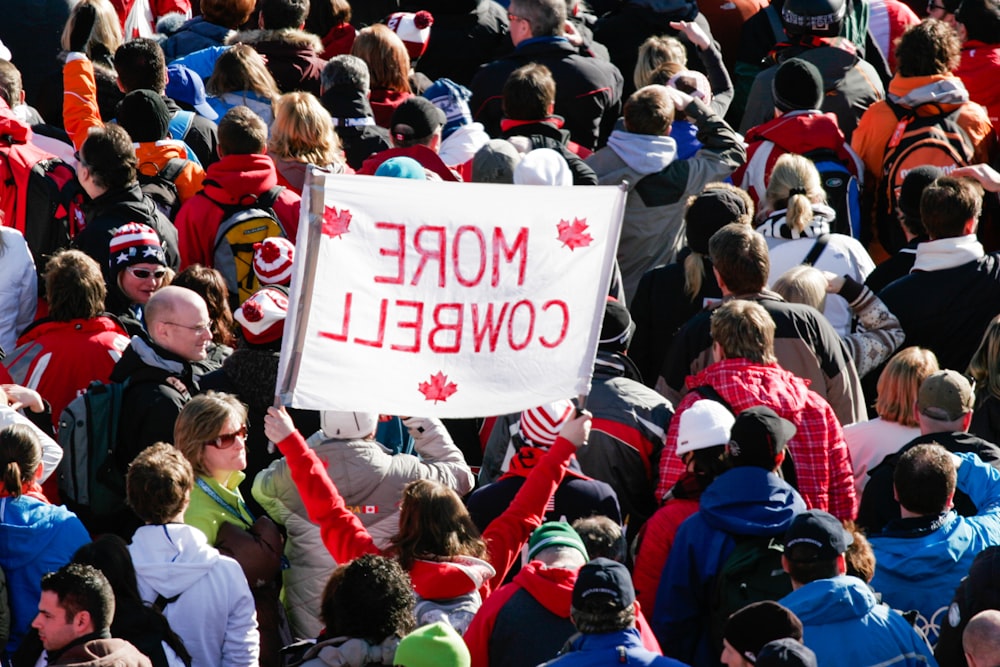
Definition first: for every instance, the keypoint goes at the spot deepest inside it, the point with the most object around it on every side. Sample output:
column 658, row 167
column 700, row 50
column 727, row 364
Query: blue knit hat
column 453, row 100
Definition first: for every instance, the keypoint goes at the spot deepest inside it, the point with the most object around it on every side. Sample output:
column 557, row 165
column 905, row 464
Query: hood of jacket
column 643, row 153
column 462, row 144
column 776, row 224
column 750, row 501
column 442, row 580
column 835, row 600
column 945, row 90
column 552, row 587
column 234, row 177
column 202, row 28
column 297, row 40
column 143, row 358
column 170, row 558
column 801, row 132
column 126, row 203
column 30, row 528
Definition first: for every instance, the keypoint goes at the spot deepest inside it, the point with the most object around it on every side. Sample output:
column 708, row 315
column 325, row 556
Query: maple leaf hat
column 272, row 261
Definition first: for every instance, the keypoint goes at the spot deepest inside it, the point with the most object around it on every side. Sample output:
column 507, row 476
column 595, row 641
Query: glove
column 83, row 25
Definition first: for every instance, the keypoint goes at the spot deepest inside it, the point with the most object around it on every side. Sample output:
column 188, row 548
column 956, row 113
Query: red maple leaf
column 335, row 224
column 574, row 235
column 438, row 389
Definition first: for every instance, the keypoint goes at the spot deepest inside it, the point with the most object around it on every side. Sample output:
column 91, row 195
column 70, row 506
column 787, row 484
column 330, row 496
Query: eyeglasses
column 227, row 440
column 198, row 329
column 143, row 274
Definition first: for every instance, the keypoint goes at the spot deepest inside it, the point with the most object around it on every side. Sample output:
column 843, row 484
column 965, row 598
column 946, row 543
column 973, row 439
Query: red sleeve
column 343, row 533
column 287, row 210
column 477, row 636
column 843, row 493
column 195, row 231
column 646, row 632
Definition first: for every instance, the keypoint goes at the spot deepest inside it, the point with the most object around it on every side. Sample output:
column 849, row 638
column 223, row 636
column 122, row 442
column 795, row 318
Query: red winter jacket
column 656, row 539
column 231, row 180
column 978, row 71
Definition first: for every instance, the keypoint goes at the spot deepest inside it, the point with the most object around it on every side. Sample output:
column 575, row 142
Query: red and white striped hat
column 540, row 426
column 413, row 29
column 272, row 261
column 262, row 316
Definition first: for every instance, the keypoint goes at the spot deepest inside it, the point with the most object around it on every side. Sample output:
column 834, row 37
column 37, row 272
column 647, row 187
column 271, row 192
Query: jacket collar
column 947, row 253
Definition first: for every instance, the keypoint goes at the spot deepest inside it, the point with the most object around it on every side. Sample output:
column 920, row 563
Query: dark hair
column 529, row 93
column 159, row 483
column 109, row 155
column 924, row 479
column 10, row 83
column 649, row 111
column 434, row 522
column 242, row 132
column 82, row 588
column 74, row 286
column 804, row 568
column 602, row 537
column 927, row 48
column 210, row 284
column 981, row 19
column 370, row 598
column 740, row 256
column 326, row 14
column 281, row 14
column 20, row 455
column 599, row 616
column 140, row 64
column 227, row 13
column 947, row 204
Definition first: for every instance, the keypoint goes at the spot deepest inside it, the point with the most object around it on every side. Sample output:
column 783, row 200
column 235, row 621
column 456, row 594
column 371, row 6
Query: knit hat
column 453, row 99
column 540, row 426
column 495, row 162
column 705, row 424
column 144, row 115
column 434, row 645
column 262, row 315
column 347, row 425
column 272, row 261
column 710, row 211
column 913, row 186
column 413, row 29
column 415, row 118
column 756, row 624
column 543, row 166
column 821, row 533
column 616, row 328
column 184, row 85
column 797, row 85
column 555, row 534
column 135, row 243
column 402, row 167
column 786, row 653
column 603, row 579
column 945, row 396
column 757, row 437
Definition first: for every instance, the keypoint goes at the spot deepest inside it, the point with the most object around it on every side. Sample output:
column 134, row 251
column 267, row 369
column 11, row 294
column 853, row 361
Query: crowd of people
column 790, row 453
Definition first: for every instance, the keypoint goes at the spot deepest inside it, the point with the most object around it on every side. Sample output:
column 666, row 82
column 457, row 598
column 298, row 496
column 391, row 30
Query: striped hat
column 135, row 243
column 272, row 261
column 414, row 29
column 540, row 426
column 262, row 316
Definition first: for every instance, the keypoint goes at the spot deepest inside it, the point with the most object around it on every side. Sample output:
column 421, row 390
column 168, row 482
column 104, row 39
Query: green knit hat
column 434, row 645
column 555, row 534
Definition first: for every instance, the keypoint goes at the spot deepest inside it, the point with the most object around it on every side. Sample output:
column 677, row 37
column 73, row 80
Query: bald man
column 981, row 640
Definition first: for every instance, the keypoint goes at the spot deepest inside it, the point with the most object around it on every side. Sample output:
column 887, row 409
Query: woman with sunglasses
column 137, row 267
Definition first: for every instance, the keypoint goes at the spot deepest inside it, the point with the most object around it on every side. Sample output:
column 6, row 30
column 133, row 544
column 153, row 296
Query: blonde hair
column 745, row 331
column 802, row 284
column 654, row 52
column 302, row 131
column 795, row 182
column 386, row 56
column 201, row 421
column 984, row 367
column 900, row 381
column 240, row 68
column 107, row 30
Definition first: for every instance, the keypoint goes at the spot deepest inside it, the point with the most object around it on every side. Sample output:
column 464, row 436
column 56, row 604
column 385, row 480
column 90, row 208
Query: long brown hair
column 433, row 523
column 386, row 57
column 20, row 456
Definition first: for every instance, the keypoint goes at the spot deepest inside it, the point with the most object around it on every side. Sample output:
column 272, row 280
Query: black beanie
column 712, row 210
column 797, row 85
column 913, row 187
column 144, row 115
column 748, row 629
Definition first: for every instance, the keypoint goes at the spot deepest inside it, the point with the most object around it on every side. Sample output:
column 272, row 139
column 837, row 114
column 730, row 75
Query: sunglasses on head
column 143, row 274
column 227, row 440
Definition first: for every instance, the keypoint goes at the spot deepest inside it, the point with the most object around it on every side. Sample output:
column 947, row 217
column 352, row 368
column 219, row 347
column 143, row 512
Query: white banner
column 446, row 299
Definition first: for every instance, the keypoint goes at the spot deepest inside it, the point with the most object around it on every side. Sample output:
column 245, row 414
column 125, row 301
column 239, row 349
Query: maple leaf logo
column 438, row 389
column 335, row 224
column 574, row 235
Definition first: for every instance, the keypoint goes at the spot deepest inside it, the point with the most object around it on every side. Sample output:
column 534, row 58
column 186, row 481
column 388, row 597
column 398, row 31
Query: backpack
column 752, row 573
column 242, row 226
column 935, row 140
column 178, row 129
column 161, row 187
column 843, row 192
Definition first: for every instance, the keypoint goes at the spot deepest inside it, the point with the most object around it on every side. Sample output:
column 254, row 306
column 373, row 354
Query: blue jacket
column 921, row 561
column 745, row 501
column 605, row 649
column 194, row 35
column 35, row 538
column 844, row 624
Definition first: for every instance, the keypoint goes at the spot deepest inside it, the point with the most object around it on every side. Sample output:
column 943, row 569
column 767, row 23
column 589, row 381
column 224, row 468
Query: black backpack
column 161, row 187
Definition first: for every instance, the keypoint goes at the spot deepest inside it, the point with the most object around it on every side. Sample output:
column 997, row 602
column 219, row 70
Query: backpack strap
column 709, row 392
column 173, row 168
column 180, row 124
column 776, row 26
column 266, row 199
column 160, row 603
column 817, row 249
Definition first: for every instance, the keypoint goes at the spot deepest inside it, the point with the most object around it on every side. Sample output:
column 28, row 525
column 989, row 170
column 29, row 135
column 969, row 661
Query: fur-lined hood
column 292, row 36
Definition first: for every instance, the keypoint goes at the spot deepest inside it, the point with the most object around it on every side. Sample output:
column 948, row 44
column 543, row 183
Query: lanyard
column 210, row 492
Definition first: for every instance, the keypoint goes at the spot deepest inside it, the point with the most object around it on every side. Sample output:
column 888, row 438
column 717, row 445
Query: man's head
column 346, row 72
column 979, row 20
column 927, row 48
column 417, row 121
column 616, row 328
column 950, row 207
column 76, row 600
column 556, row 544
column 822, row 18
column 242, row 132
column 944, row 403
column 602, row 536
column 603, row 598
column 74, row 286
column 910, row 194
column 743, row 330
column 140, row 64
column 649, row 111
column 536, row 18
column 815, row 544
column 283, row 14
column 177, row 320
column 739, row 257
column 759, row 437
column 924, row 480
column 10, row 84
column 158, row 484
column 107, row 160
column 797, row 86
column 370, row 598
column 981, row 639
column 748, row 629
column 529, row 93
column 144, row 115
